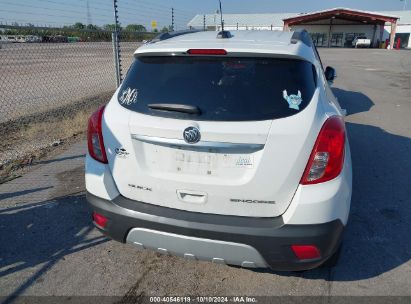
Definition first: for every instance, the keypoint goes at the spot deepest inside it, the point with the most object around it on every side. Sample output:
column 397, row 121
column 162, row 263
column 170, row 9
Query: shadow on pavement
column 19, row 193
column 39, row 235
column 43, row 162
column 353, row 102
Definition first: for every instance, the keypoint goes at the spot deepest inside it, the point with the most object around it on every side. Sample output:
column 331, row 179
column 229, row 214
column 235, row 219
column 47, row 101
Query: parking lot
column 42, row 76
column 49, row 247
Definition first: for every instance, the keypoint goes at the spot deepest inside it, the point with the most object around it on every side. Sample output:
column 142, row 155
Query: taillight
column 207, row 52
column 95, row 137
column 327, row 157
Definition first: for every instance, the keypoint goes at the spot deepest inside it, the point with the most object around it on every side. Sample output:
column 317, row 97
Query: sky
column 63, row 12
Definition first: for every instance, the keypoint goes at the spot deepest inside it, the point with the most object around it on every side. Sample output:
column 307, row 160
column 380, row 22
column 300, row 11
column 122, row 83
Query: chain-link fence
column 51, row 80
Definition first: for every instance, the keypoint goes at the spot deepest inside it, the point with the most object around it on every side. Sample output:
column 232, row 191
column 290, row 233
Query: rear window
column 222, row 88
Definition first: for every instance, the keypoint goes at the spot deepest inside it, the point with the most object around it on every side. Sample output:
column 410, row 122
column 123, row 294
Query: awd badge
column 294, row 101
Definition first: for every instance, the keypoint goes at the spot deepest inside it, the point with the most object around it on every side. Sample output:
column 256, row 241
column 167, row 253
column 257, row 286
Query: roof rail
column 169, row 35
column 301, row 36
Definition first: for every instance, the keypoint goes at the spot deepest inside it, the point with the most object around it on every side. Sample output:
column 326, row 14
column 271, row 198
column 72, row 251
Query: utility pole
column 221, row 17
column 204, row 22
column 172, row 19
column 88, row 14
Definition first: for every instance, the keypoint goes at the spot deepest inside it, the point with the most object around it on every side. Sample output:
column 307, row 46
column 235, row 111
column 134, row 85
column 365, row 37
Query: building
column 336, row 27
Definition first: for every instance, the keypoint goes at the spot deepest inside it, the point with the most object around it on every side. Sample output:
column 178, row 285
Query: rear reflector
column 207, row 52
column 327, row 157
column 306, row 252
column 99, row 220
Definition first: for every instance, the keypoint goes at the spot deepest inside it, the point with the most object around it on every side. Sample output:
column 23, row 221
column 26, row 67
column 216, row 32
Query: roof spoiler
column 301, row 36
column 169, row 35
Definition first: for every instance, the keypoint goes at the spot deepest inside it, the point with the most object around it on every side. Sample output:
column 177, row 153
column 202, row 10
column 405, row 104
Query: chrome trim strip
column 208, row 146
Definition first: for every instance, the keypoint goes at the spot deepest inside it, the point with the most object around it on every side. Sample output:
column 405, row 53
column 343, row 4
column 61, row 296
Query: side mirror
column 330, row 74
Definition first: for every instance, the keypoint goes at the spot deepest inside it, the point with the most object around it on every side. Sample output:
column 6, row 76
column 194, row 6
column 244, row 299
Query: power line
column 164, row 15
column 154, row 7
column 71, row 6
column 45, row 8
column 149, row 10
column 145, row 11
column 48, row 15
column 39, row 22
column 140, row 11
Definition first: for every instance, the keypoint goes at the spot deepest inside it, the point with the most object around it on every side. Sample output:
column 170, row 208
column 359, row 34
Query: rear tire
column 333, row 260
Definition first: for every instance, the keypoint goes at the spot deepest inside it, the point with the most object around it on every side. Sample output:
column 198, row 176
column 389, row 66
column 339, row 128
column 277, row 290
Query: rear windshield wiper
column 175, row 107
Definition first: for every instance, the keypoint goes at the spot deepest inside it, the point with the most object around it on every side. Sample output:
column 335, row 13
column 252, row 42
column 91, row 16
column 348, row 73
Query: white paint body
column 209, row 181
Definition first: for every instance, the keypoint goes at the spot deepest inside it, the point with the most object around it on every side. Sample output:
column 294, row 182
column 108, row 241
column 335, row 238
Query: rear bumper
column 244, row 241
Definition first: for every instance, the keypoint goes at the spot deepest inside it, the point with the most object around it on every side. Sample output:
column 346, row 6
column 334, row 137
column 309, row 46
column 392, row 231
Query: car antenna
column 222, row 34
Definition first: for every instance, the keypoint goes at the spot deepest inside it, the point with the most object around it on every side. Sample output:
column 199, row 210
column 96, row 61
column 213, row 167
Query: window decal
column 128, row 96
column 294, row 101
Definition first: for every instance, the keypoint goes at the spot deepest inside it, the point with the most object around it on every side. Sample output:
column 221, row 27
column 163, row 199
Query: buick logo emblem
column 191, row 135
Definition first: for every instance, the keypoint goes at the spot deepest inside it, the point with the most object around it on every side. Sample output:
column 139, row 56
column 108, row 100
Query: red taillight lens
column 207, row 52
column 306, row 252
column 99, row 220
column 95, row 137
column 327, row 157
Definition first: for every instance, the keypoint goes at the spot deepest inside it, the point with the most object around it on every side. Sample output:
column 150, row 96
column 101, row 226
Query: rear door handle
column 194, row 197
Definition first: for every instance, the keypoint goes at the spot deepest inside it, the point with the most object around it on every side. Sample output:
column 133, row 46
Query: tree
column 78, row 26
column 92, row 27
column 110, row 27
column 135, row 28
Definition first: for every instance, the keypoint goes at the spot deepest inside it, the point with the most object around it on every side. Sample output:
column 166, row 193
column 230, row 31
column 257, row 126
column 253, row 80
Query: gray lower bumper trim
column 193, row 248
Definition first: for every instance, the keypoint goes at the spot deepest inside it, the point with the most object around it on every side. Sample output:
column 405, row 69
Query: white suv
column 225, row 147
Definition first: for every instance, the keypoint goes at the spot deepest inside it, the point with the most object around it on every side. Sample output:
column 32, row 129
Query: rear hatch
column 212, row 134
